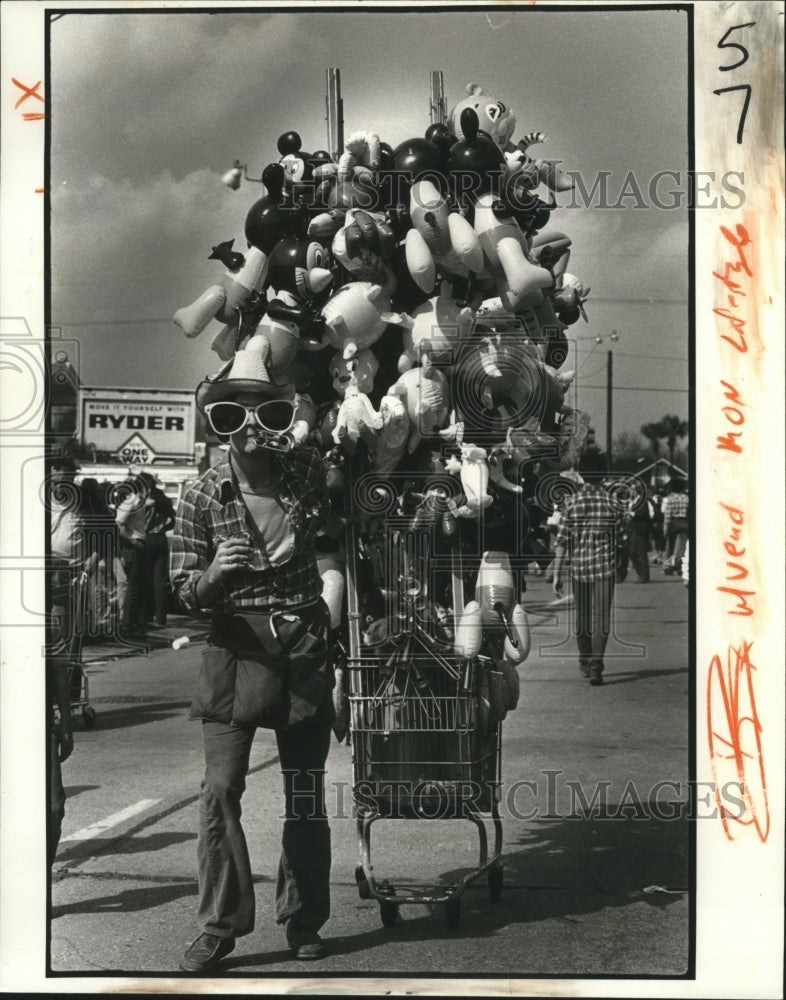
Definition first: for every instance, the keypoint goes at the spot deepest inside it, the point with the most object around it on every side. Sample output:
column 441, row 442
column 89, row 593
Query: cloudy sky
column 150, row 108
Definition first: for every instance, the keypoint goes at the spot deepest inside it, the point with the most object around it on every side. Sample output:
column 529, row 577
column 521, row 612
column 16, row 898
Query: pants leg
column 581, row 620
column 226, row 889
column 134, row 604
column 603, row 595
column 592, row 618
column 680, row 538
column 639, row 555
column 303, row 885
column 120, row 588
column 157, row 576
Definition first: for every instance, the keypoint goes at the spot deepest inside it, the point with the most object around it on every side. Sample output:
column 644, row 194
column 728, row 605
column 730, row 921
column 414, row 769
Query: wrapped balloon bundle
column 418, row 299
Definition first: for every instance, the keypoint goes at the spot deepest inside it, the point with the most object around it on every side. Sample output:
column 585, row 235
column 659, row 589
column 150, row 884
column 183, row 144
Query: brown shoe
column 206, row 952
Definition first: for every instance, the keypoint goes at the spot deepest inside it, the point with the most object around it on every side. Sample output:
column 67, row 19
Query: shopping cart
column 425, row 726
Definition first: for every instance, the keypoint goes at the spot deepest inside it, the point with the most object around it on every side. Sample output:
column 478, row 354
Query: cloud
column 144, row 93
column 124, row 252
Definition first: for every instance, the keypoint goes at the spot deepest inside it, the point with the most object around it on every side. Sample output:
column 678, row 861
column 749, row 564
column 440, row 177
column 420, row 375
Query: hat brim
column 214, row 392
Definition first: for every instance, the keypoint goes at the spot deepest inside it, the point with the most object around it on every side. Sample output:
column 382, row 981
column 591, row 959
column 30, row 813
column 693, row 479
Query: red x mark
column 28, row 91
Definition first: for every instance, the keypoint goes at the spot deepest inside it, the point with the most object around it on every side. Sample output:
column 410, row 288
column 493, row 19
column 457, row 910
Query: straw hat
column 247, row 372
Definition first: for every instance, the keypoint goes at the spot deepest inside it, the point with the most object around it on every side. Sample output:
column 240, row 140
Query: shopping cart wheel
column 495, row 884
column 453, row 912
column 388, row 913
column 89, row 717
column 360, row 877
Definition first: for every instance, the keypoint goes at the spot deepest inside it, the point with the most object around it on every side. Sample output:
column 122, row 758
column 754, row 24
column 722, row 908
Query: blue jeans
column 226, row 888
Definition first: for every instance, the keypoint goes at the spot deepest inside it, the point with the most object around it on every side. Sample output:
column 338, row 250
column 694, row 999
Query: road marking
column 78, row 848
column 105, row 824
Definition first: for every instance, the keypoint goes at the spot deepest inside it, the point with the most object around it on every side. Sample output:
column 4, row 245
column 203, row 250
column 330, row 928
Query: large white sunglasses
column 228, row 417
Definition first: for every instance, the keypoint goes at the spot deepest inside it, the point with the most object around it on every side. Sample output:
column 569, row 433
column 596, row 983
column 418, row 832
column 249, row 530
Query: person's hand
column 65, row 740
column 232, row 554
column 557, row 585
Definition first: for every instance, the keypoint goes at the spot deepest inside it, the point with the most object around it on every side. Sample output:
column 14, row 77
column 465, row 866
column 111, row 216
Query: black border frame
column 399, row 6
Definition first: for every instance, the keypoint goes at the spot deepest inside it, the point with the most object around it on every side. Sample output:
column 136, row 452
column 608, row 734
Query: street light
column 233, row 176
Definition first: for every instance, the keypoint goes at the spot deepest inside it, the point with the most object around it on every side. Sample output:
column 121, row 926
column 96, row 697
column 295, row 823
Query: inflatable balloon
column 193, row 319
column 393, row 434
column 223, row 302
column 269, row 218
column 363, row 244
column 476, row 164
column 426, row 396
column 300, row 266
column 518, row 281
column 494, row 117
column 438, row 326
column 356, row 419
column 474, row 475
column 332, row 573
column 469, row 632
column 357, row 315
column 503, row 620
column 440, row 239
column 569, row 299
column 305, row 417
column 361, row 156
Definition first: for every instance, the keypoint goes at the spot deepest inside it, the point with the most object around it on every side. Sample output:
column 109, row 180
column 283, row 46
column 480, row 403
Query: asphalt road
column 582, row 896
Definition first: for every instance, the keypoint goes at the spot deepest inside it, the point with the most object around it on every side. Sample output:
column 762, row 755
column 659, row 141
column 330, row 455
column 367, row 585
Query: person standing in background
column 69, row 571
column 102, row 539
column 131, row 526
column 658, row 538
column 640, row 528
column 676, row 507
column 159, row 518
column 588, row 534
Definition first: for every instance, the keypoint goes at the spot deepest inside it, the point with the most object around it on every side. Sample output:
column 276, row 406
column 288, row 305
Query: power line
column 668, row 302
column 632, row 388
column 657, row 357
column 117, row 322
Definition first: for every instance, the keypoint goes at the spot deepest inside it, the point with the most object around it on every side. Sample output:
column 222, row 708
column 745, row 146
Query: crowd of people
column 120, row 529
column 653, row 529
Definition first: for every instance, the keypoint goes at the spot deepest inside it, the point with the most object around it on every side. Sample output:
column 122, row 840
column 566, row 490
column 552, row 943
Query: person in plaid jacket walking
column 589, row 530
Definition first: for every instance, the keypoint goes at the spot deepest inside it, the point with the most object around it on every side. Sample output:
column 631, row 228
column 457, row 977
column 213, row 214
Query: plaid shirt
column 212, row 510
column 675, row 505
column 589, row 528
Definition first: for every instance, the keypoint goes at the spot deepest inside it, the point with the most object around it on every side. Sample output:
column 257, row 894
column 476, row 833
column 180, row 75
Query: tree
column 672, row 429
column 652, row 432
column 628, row 448
column 669, row 428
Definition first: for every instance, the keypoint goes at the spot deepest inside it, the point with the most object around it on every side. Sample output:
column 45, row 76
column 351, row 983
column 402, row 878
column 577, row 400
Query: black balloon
column 289, row 142
column 268, row 220
column 415, row 157
column 476, row 163
column 319, row 158
column 440, row 135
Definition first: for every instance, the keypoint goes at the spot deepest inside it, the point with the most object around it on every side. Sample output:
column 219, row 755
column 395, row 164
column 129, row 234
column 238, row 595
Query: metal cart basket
column 425, row 734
